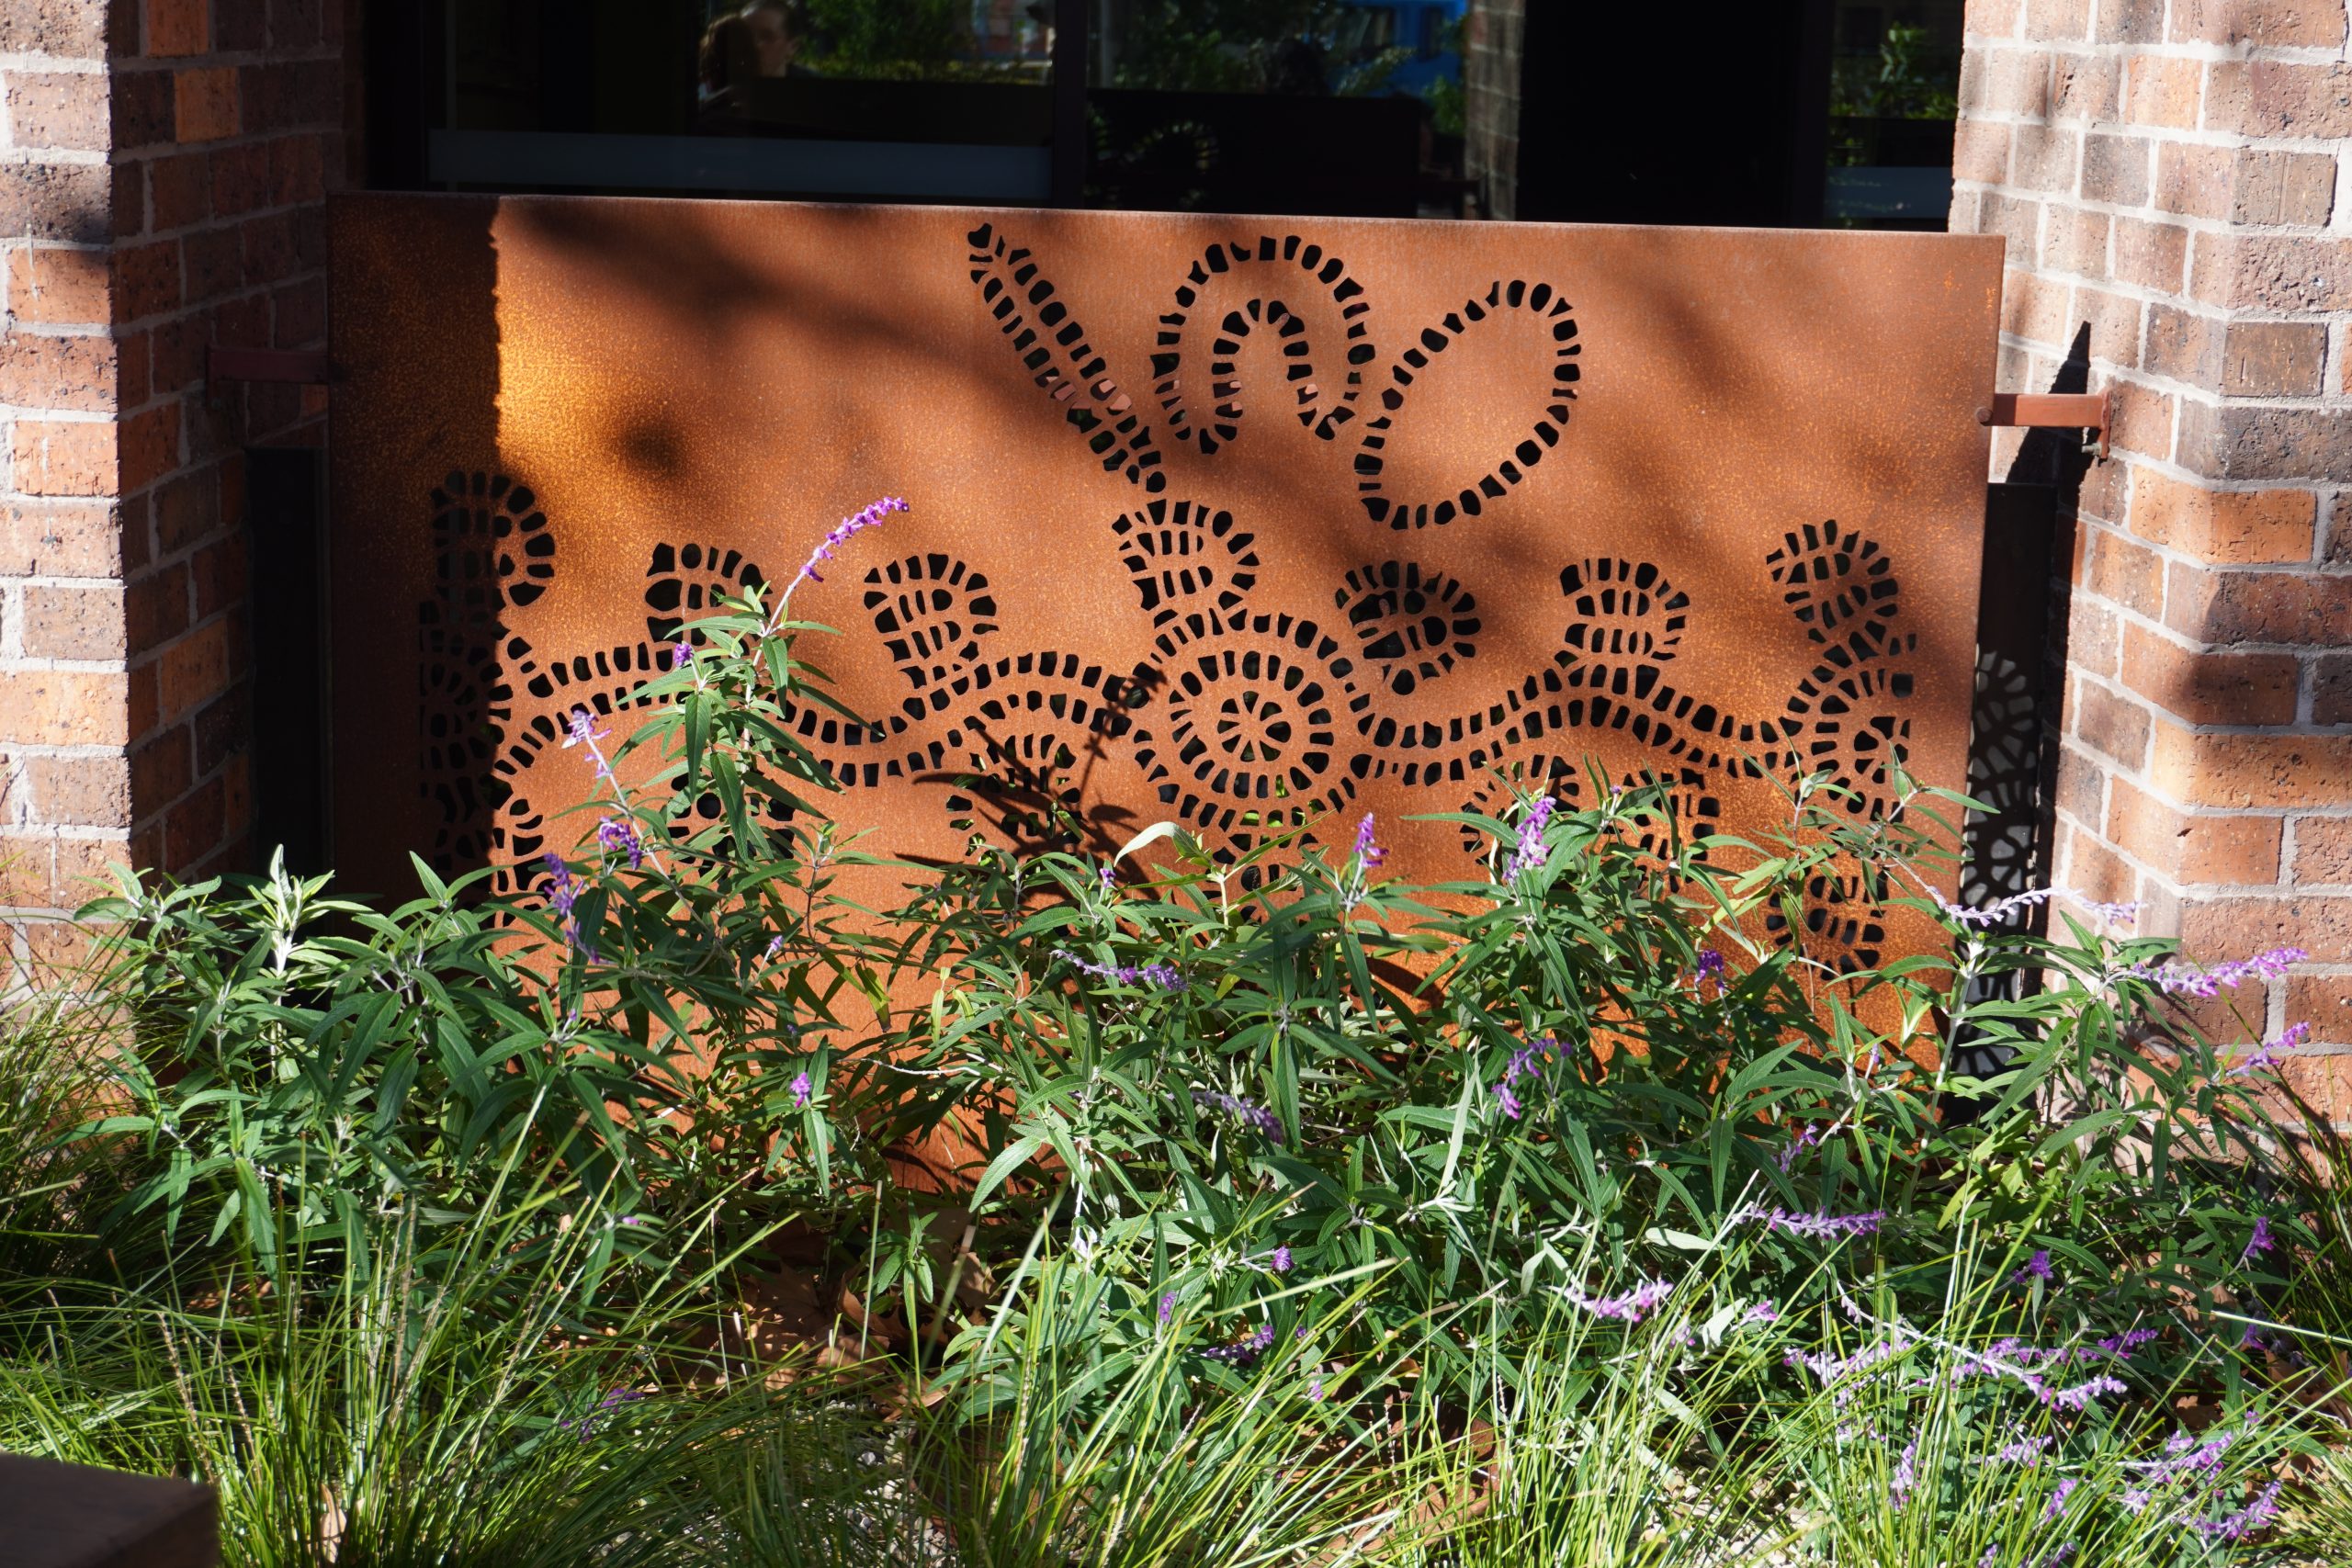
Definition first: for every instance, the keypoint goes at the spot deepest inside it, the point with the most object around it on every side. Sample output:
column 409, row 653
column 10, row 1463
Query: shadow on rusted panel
column 1227, row 520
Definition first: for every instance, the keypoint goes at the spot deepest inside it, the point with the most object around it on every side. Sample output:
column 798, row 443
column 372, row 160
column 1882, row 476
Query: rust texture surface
column 1233, row 521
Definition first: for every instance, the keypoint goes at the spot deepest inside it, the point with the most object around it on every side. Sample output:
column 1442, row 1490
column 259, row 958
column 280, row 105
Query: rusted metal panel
column 1240, row 521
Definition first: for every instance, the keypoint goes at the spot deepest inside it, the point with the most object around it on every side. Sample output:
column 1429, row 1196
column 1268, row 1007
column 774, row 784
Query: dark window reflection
column 1280, row 106
column 1893, row 94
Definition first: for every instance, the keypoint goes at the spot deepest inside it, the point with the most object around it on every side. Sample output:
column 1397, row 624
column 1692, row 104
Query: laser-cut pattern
column 1253, row 712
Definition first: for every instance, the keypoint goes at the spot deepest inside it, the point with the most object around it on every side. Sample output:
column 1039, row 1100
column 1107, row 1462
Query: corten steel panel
column 1210, row 515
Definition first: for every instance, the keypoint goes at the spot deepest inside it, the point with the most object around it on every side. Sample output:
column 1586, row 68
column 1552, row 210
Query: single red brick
column 269, row 248
column 2251, row 770
column 194, row 826
column 2278, row 97
column 2126, row 572
column 2234, row 927
column 44, row 371
column 150, row 446
column 2114, row 322
column 60, row 538
column 53, row 457
column 1981, row 150
column 147, row 280
column 2115, row 168
column 2142, row 419
column 180, row 190
column 79, row 792
column 64, row 110
column 217, row 573
column 2332, row 689
column 2235, row 527
column 2202, row 849
column 142, row 111
column 2109, row 723
column 155, row 609
column 214, row 259
column 193, row 669
column 205, row 108
column 61, row 707
column 2324, row 1001
column 2044, row 157
column 178, row 27
column 2283, row 188
column 179, row 353
column 160, row 771
column 2164, row 91
column 2279, row 443
column 2263, row 23
column 2211, row 688
column 2200, row 182
column 2215, row 606
column 2060, row 20
column 73, row 29
column 296, row 170
column 2273, row 358
column 239, row 178
column 76, row 621
column 59, row 287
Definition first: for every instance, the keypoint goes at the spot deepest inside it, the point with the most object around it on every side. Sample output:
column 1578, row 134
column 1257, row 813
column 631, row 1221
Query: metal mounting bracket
column 2054, row 411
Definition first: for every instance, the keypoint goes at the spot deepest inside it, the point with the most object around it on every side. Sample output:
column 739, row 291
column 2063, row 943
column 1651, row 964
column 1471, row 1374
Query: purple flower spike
column 2182, row 980
column 2260, row 1241
column 1906, row 1476
column 1632, row 1307
column 868, row 516
column 2058, row 1498
column 1246, row 1352
column 563, row 893
column 1529, row 851
column 616, row 835
column 1523, row 1065
column 2036, row 1267
column 2267, row 1057
column 1820, row 1227
column 2247, row 1520
column 1281, row 1260
column 681, row 654
column 1166, row 1309
column 801, row 1089
column 1710, row 968
column 1368, row 853
column 1163, row 976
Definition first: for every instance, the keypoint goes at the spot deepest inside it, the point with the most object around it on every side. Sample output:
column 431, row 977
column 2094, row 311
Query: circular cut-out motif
column 1410, row 625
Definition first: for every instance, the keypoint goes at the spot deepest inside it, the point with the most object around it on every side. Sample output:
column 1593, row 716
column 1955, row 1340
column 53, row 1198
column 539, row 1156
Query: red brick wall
column 2170, row 176
column 165, row 165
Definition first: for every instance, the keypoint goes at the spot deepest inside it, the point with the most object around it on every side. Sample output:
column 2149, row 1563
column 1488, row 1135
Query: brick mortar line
column 2325, row 403
column 63, row 64
column 2172, row 555
column 2087, row 48
column 139, row 152
column 2195, row 223
column 27, row 664
column 152, row 65
column 2113, row 685
column 70, row 157
column 2157, row 135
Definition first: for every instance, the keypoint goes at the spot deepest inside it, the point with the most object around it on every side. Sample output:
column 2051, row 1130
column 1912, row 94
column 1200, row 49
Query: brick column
column 2168, row 174
column 1493, row 33
column 162, row 168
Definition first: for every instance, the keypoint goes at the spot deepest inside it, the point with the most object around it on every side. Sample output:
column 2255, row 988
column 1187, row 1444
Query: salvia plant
column 1274, row 1168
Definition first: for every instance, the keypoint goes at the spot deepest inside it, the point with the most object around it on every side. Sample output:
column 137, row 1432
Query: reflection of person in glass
column 729, row 58
column 774, row 40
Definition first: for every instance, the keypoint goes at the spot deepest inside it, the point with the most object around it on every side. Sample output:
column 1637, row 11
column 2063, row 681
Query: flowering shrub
column 1284, row 1125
